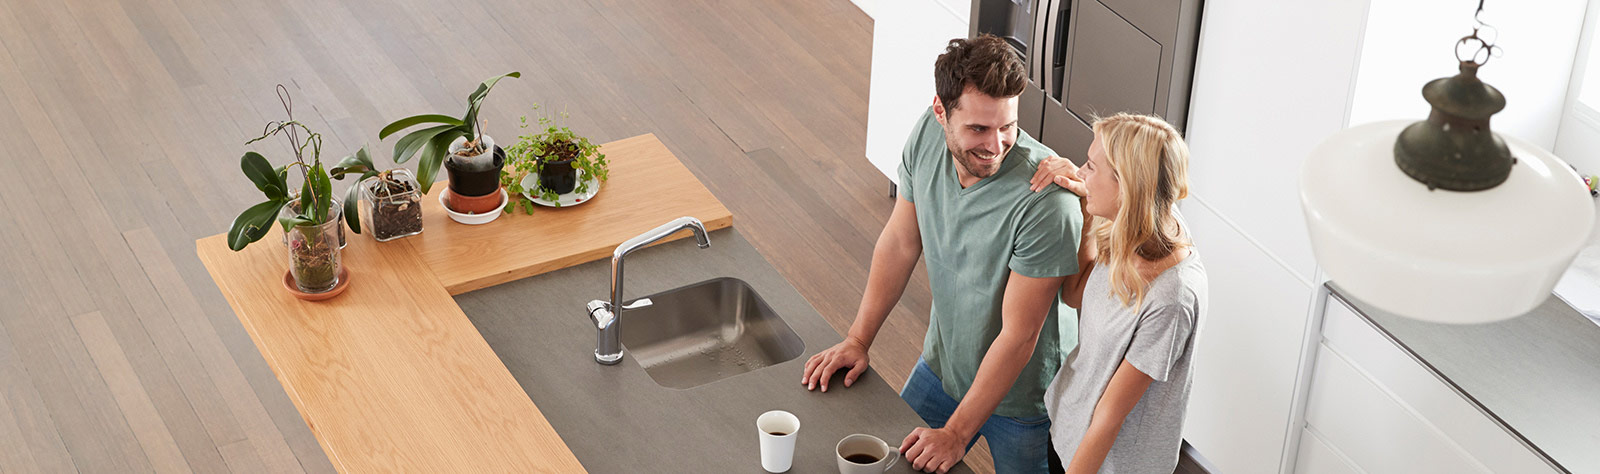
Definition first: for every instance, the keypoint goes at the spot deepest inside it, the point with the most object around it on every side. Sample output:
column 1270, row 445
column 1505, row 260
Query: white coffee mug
column 778, row 430
column 865, row 454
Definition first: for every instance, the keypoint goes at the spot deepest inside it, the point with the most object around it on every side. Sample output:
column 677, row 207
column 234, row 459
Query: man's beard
column 972, row 163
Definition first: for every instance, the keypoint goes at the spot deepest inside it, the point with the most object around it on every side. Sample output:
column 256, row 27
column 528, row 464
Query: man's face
column 979, row 132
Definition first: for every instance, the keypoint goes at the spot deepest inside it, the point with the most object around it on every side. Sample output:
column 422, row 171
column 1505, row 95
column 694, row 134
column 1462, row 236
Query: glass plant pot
column 314, row 250
column 394, row 206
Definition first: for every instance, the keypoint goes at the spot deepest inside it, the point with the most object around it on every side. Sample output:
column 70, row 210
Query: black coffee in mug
column 777, row 433
column 862, row 458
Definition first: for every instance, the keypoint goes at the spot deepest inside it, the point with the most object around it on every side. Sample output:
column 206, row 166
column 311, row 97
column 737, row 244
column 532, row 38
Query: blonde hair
column 1151, row 163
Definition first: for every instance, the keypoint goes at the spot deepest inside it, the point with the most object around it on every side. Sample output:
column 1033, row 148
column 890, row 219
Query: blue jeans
column 1019, row 445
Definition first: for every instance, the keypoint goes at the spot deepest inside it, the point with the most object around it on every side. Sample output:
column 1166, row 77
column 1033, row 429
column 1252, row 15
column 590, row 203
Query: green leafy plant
column 316, row 188
column 395, row 208
column 361, row 162
column 434, row 142
column 551, row 142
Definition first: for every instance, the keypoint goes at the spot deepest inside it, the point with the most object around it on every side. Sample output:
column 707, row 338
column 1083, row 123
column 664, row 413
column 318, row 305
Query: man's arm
column 1023, row 311
column 1064, row 173
column 1127, row 386
column 893, row 259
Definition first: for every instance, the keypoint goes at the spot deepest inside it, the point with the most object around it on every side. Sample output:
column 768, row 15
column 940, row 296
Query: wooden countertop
column 391, row 375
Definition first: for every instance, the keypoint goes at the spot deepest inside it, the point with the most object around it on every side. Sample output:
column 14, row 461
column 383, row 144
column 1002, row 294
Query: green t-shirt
column 972, row 239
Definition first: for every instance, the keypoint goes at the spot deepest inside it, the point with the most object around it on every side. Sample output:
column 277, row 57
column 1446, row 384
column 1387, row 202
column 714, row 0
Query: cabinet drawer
column 1316, row 457
column 1388, row 413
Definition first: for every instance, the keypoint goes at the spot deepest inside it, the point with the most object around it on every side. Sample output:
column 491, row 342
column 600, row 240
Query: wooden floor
column 123, row 121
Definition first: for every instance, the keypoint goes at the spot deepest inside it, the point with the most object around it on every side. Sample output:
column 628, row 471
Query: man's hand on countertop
column 933, row 450
column 850, row 352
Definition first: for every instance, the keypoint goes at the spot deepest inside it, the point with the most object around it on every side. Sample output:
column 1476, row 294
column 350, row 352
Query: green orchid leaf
column 305, row 193
column 414, row 120
column 409, row 144
column 428, row 168
column 483, row 89
column 253, row 223
column 352, row 204
column 360, row 162
column 322, row 193
column 291, row 222
column 261, row 173
column 475, row 101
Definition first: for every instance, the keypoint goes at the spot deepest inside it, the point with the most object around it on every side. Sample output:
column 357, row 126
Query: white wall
column 1410, row 43
column 1272, row 79
column 1578, row 140
column 907, row 36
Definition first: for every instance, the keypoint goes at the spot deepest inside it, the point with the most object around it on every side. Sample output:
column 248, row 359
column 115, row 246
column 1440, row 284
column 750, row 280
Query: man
column 997, row 255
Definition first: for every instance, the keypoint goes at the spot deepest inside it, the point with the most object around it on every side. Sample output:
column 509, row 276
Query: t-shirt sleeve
column 1047, row 240
column 906, row 189
column 912, row 150
column 1160, row 340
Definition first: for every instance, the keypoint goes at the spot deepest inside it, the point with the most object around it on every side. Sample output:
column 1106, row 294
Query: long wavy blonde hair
column 1151, row 163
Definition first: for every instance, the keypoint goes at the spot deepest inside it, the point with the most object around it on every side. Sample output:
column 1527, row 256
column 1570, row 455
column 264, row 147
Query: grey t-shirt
column 1157, row 339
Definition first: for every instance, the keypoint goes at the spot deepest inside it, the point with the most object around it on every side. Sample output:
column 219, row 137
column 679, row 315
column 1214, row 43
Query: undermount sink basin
column 706, row 332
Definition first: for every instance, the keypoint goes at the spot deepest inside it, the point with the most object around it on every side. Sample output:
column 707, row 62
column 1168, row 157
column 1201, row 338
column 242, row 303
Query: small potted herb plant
column 563, row 161
column 459, row 145
column 312, row 220
column 394, row 198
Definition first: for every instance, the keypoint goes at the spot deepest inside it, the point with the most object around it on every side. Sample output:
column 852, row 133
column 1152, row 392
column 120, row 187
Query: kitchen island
column 392, row 376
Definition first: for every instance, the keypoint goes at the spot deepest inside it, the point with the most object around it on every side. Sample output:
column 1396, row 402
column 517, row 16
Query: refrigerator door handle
column 1038, row 58
column 1048, row 24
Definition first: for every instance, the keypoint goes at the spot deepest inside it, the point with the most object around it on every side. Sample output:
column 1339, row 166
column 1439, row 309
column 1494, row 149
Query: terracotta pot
column 472, row 204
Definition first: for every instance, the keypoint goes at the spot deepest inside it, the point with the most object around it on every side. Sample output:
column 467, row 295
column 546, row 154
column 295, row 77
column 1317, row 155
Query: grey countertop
column 616, row 419
column 1537, row 374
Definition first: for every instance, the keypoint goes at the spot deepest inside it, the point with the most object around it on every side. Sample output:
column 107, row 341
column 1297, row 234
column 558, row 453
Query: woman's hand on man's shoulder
column 1060, row 172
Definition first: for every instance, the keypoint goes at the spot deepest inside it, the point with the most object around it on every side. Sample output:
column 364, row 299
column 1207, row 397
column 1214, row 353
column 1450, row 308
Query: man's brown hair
column 987, row 63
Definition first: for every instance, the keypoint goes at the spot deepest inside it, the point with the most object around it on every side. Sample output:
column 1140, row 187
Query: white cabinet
column 1272, row 80
column 1383, row 411
column 1316, row 457
column 1245, row 350
column 907, row 35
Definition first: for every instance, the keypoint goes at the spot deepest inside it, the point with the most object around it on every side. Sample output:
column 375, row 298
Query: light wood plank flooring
column 122, row 122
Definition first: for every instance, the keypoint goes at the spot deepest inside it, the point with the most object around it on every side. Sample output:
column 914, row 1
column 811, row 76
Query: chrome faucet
column 606, row 316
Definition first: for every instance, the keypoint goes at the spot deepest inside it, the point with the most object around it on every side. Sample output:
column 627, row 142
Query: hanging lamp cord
column 1485, row 48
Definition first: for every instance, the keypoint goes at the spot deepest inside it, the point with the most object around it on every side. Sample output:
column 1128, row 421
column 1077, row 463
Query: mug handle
column 892, row 460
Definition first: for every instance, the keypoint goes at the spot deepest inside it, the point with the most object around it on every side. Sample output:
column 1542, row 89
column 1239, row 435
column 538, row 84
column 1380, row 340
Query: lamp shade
column 1441, row 256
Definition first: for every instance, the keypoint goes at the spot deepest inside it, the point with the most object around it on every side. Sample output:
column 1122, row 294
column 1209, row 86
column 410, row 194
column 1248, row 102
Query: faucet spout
column 608, row 316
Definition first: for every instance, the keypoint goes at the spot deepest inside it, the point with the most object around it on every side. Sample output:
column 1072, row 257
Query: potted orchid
column 460, row 146
column 312, row 220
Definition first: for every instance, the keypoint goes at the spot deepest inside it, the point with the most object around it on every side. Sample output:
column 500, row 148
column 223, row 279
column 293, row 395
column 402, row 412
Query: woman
column 1117, row 405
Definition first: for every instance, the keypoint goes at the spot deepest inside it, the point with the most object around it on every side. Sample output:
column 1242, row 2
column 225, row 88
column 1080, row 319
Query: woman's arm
column 1122, row 394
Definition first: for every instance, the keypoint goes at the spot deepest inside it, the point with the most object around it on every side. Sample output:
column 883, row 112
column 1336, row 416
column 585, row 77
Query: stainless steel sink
column 706, row 332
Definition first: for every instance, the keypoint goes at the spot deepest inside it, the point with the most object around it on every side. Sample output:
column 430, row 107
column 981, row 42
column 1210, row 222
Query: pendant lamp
column 1444, row 220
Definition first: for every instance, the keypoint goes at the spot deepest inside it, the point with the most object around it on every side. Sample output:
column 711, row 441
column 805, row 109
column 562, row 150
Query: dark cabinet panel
column 1065, row 133
column 1115, row 67
column 1158, row 19
column 1030, row 110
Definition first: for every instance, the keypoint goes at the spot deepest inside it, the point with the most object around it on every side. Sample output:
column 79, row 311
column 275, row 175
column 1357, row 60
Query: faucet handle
column 600, row 312
column 638, row 303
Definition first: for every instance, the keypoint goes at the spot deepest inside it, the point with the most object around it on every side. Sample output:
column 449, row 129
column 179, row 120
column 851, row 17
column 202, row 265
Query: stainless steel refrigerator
column 1090, row 58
